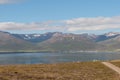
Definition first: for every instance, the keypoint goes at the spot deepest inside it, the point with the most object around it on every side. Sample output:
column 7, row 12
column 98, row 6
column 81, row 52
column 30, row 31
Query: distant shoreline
column 55, row 51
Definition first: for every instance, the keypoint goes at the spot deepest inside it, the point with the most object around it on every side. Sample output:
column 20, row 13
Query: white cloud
column 9, row 26
column 9, row 1
column 96, row 23
column 73, row 25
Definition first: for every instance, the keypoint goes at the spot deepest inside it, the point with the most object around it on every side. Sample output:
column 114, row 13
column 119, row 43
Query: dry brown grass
column 117, row 63
column 62, row 71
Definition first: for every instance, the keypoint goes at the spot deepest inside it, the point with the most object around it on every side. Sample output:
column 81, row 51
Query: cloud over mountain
column 78, row 24
column 28, row 26
column 96, row 23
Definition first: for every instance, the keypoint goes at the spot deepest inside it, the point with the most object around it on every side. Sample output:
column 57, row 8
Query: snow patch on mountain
column 110, row 34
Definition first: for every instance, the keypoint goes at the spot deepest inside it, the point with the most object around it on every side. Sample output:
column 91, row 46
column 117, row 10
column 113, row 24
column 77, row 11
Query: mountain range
column 58, row 41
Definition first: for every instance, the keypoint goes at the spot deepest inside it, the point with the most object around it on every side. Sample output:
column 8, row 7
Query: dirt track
column 111, row 66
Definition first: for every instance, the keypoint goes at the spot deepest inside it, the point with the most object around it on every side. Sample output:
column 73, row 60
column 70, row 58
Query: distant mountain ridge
column 45, row 36
column 34, row 37
column 58, row 41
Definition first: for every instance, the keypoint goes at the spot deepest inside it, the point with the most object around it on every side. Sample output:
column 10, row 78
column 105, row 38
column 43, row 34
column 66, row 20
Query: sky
column 68, row 16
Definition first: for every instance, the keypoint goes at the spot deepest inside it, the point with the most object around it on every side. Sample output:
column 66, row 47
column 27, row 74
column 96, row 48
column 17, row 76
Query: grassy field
column 62, row 71
column 116, row 62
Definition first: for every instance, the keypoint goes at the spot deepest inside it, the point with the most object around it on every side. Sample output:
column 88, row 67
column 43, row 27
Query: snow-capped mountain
column 34, row 37
column 110, row 34
column 46, row 36
column 59, row 41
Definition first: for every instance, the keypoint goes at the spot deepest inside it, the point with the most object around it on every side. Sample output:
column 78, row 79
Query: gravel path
column 111, row 66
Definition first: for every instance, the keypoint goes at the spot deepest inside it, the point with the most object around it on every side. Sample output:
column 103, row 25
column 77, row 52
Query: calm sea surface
column 41, row 58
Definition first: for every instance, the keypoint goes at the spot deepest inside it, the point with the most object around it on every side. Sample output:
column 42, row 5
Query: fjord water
column 43, row 58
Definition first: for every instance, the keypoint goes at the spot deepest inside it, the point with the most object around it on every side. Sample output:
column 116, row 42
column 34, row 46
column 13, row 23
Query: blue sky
column 74, row 16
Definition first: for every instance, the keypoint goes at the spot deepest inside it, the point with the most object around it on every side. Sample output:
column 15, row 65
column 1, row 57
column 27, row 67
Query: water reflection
column 38, row 58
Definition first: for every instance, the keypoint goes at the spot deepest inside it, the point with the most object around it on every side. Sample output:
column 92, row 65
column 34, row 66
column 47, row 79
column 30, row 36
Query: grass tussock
column 62, row 71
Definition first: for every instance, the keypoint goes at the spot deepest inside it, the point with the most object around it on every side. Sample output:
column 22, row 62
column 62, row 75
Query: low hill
column 10, row 43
